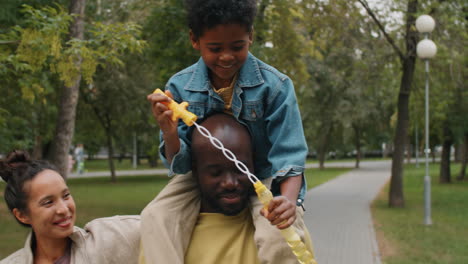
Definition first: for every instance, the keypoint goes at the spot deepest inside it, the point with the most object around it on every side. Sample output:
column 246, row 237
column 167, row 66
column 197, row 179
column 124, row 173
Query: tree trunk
column 323, row 147
column 445, row 158
column 458, row 152
column 464, row 159
column 37, row 149
column 396, row 197
column 357, row 142
column 110, row 148
column 408, row 151
column 65, row 124
column 321, row 158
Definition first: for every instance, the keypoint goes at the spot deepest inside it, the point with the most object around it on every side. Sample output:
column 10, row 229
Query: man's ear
column 194, row 40
column 21, row 216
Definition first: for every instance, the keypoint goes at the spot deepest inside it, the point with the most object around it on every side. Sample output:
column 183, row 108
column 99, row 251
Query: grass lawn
column 97, row 197
column 404, row 239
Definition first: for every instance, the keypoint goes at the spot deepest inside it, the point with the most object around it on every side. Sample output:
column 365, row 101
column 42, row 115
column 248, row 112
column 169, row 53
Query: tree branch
column 381, row 27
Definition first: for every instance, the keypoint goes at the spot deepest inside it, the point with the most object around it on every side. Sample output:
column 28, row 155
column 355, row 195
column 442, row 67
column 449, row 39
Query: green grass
column 315, row 160
column 401, row 231
column 97, row 197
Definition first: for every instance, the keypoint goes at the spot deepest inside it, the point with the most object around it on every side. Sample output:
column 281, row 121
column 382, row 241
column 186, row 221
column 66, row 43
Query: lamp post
column 426, row 49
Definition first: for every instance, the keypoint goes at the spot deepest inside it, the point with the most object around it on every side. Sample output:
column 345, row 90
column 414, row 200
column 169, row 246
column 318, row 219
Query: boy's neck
column 220, row 83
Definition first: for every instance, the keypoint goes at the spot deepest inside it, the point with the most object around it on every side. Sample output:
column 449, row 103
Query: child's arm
column 163, row 116
column 282, row 209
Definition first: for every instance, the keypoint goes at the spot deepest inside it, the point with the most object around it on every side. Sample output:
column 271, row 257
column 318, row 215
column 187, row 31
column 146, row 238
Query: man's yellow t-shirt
column 218, row 238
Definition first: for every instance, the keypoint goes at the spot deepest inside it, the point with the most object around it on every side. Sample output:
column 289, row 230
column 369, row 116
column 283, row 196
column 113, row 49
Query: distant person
column 79, row 157
column 71, row 163
column 223, row 229
column 228, row 78
column 38, row 197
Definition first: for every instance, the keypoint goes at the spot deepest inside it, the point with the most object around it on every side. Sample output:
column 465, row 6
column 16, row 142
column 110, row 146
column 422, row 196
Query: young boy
column 228, row 79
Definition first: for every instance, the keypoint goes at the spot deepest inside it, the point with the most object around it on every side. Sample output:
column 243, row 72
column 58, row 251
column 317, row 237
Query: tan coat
column 104, row 240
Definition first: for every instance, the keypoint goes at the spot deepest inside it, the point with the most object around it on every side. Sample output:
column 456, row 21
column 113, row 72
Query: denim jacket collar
column 249, row 76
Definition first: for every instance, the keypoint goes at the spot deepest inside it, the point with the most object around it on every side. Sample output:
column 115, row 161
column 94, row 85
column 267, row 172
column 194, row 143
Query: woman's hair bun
column 14, row 159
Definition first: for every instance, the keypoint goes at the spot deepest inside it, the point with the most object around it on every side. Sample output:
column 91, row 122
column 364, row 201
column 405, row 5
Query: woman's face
column 51, row 209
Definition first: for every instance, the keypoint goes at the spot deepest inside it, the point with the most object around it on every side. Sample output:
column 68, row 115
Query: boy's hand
column 281, row 212
column 162, row 113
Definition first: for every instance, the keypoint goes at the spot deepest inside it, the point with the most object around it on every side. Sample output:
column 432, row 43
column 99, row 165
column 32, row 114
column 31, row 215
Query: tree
column 65, row 125
column 408, row 61
column 450, row 91
column 39, row 45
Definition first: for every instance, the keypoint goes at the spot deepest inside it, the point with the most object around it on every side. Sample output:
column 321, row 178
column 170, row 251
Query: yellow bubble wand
column 264, row 194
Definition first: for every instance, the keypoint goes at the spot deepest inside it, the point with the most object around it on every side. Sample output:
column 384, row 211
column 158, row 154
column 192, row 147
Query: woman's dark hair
column 17, row 169
column 206, row 14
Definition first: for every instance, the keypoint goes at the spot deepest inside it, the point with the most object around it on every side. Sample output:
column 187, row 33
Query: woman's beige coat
column 104, row 240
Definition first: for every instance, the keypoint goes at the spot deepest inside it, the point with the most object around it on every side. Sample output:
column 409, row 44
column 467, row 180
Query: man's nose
column 230, row 181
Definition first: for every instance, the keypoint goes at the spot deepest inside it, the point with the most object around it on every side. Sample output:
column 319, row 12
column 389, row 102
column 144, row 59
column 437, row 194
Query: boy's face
column 224, row 50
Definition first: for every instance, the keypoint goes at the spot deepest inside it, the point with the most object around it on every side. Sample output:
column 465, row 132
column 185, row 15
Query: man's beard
column 226, row 209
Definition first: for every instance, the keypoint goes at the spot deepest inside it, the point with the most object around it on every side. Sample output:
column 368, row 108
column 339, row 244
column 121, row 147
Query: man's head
column 222, row 31
column 224, row 189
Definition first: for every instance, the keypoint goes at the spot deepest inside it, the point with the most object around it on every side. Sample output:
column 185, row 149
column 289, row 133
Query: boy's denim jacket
column 264, row 100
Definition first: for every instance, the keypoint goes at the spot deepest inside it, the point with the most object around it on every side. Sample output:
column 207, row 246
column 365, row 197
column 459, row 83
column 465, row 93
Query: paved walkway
column 338, row 215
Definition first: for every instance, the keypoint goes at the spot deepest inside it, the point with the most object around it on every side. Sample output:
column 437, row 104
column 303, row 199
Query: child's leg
column 167, row 222
column 272, row 247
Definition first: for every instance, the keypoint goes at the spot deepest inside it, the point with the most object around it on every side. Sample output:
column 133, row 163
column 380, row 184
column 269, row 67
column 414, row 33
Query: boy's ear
column 194, row 41
column 251, row 35
column 22, row 217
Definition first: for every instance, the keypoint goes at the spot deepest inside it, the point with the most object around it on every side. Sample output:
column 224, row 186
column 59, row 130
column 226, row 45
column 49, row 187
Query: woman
column 39, row 198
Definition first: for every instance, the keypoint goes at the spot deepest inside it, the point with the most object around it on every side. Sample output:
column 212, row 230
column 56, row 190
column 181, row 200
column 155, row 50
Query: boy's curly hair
column 206, row 14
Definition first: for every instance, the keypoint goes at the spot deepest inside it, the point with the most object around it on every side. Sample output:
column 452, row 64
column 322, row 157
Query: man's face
column 224, row 189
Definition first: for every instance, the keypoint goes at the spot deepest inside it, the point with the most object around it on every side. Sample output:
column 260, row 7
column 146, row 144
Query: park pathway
column 163, row 172
column 338, row 215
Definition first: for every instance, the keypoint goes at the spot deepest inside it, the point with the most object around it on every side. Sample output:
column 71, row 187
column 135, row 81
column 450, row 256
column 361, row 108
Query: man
column 224, row 230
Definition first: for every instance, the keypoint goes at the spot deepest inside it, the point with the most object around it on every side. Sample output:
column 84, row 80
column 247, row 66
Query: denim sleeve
column 181, row 163
column 286, row 134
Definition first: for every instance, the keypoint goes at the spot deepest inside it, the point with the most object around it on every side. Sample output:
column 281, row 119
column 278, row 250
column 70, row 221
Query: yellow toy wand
column 264, row 195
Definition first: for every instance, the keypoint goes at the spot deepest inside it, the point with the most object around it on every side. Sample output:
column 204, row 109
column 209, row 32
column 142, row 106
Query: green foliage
column 35, row 56
column 41, row 44
column 352, row 82
column 448, row 92
column 168, row 38
column 282, row 27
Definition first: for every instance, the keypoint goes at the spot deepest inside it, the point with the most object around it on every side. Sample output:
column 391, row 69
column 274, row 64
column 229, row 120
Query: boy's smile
column 224, row 49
